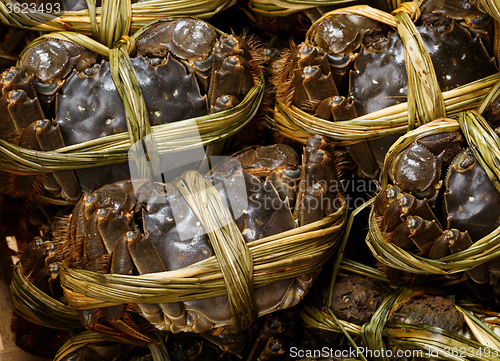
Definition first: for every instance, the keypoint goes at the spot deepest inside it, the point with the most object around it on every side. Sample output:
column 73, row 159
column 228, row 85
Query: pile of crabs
column 208, row 201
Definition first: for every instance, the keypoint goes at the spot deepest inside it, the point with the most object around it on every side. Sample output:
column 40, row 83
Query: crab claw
column 17, row 94
column 312, row 79
column 50, row 138
column 410, row 205
column 231, row 71
column 22, row 109
column 385, row 198
column 319, row 184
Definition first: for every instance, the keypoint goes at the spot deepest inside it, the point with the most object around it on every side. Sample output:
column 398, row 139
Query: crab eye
column 293, row 173
column 480, row 20
column 46, row 88
column 338, row 60
column 203, row 64
column 39, row 241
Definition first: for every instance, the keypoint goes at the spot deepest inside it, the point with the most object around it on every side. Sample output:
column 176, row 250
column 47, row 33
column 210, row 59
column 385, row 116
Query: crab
column 356, row 300
column 62, row 94
column 12, row 42
column 266, row 338
column 118, row 230
column 428, row 310
column 430, row 171
column 349, row 66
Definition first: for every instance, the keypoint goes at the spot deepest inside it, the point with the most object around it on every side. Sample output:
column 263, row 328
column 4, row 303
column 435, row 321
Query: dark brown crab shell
column 95, row 94
column 374, row 88
column 470, row 208
column 191, row 80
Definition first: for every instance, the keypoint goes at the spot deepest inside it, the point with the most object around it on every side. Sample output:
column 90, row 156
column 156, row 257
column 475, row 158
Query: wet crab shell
column 458, row 59
column 183, row 68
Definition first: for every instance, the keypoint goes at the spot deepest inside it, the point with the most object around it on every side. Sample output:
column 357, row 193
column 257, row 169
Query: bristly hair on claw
column 282, row 79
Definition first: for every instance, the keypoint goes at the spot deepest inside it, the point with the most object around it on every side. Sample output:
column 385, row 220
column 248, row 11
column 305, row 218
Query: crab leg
column 361, row 153
column 458, row 242
column 50, row 138
column 318, row 184
column 384, row 199
column 231, row 74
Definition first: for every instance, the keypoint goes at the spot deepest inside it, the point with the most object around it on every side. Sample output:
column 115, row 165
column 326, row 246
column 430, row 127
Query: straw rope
column 273, row 8
column 38, row 307
column 113, row 19
column 431, row 340
column 230, row 249
column 91, row 338
column 492, row 7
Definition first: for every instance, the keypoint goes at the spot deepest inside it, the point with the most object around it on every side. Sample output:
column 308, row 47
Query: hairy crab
column 153, row 229
column 62, row 94
column 46, row 334
column 432, row 210
column 12, row 42
column 380, row 315
column 350, row 65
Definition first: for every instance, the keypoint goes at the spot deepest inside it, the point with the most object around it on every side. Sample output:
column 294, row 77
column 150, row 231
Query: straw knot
column 231, row 250
column 411, row 8
column 129, row 41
